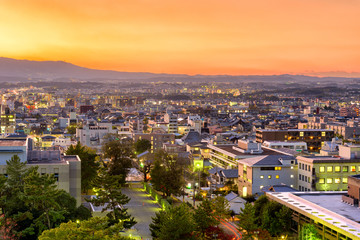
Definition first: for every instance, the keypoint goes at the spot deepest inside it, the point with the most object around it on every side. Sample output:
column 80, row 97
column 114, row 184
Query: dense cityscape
column 201, row 160
column 179, row 120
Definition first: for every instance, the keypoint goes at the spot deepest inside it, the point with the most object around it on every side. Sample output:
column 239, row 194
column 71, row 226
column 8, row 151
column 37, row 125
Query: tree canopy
column 31, row 203
column 167, row 174
column 93, row 229
column 89, row 164
column 265, row 216
column 119, row 151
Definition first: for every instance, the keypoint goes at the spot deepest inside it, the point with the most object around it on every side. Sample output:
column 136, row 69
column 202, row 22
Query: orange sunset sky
column 187, row 36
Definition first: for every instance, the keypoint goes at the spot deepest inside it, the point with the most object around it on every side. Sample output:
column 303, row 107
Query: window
column 301, row 134
column 345, row 168
column 322, row 169
column 277, row 176
column 329, row 169
column 277, row 168
column 329, row 180
column 337, row 169
column 269, row 177
column 321, row 180
column 353, row 168
column 345, row 180
column 299, row 176
column 292, row 176
column 56, row 176
column 323, row 134
column 337, row 180
column 262, row 176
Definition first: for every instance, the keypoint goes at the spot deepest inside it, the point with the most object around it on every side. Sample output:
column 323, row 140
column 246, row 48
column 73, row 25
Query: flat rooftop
column 325, row 208
column 12, row 142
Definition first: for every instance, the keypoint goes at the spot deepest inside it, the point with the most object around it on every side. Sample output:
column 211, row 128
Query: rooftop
column 12, row 142
column 323, row 207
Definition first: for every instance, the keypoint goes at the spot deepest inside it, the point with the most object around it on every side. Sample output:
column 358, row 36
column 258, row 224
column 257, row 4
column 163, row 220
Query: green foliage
column 177, row 224
column 31, row 202
column 221, row 207
column 204, row 216
column 247, row 218
column 120, row 152
column 167, row 174
column 185, row 222
column 89, row 165
column 71, row 129
column 309, row 232
column 93, row 229
column 142, row 145
column 155, row 226
column 267, row 216
column 110, row 197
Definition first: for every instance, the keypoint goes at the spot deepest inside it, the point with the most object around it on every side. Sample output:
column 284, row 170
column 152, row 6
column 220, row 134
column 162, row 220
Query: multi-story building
column 314, row 138
column 7, row 122
column 264, row 170
column 172, row 122
column 66, row 169
column 328, row 173
column 227, row 155
column 333, row 218
column 156, row 139
column 92, row 134
column 297, row 146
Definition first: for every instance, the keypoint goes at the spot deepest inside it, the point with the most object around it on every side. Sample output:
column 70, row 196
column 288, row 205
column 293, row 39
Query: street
column 142, row 208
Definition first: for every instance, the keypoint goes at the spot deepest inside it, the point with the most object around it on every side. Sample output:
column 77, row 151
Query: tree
column 142, row 145
column 177, row 224
column 204, row 216
column 119, row 151
column 247, row 219
column 221, row 207
column 40, row 193
column 309, row 232
column 31, row 202
column 71, row 129
column 167, row 174
column 155, row 226
column 89, row 165
column 110, row 197
column 93, row 229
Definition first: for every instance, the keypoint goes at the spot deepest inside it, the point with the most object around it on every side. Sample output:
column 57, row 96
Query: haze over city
column 180, row 120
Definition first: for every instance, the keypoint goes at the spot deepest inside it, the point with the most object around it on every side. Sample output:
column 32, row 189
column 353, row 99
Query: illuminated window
column 329, row 169
column 323, row 134
column 329, row 180
column 337, row 180
column 337, row 169
column 269, row 177
column 353, row 168
column 262, row 176
column 321, row 180
column 277, row 176
column 301, row 134
column 278, row 168
column 322, row 169
column 345, row 168
column 345, row 180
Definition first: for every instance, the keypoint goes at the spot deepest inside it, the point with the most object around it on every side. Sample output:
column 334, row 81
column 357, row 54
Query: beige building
column 66, row 169
column 328, row 173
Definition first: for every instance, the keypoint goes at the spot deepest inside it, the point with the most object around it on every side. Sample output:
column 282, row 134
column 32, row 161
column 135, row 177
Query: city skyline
column 202, row 37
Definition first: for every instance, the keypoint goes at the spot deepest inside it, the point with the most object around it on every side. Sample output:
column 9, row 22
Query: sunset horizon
column 177, row 37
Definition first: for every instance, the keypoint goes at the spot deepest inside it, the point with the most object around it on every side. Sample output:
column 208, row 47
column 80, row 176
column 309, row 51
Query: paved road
column 231, row 229
column 142, row 208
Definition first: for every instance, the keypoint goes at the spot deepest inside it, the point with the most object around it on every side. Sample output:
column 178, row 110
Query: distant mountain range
column 12, row 70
